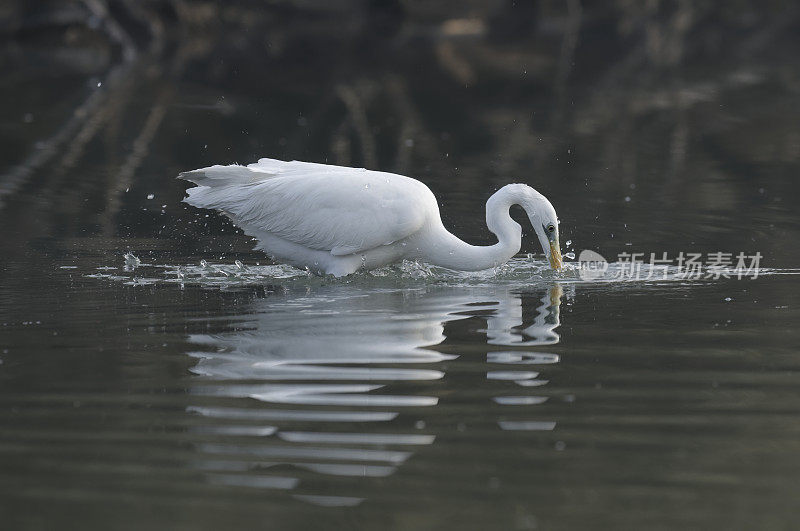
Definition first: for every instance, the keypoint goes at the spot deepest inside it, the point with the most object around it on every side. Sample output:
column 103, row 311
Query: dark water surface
column 170, row 395
column 407, row 404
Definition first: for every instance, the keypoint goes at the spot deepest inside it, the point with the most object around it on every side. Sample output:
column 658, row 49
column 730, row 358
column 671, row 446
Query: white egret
column 338, row 220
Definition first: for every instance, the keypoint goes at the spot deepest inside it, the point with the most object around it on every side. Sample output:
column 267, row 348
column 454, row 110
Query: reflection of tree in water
column 331, row 385
column 461, row 98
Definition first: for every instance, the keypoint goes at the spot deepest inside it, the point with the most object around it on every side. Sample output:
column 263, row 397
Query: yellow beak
column 555, row 256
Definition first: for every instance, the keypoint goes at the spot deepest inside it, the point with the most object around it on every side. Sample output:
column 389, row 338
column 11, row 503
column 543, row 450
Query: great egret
column 337, row 220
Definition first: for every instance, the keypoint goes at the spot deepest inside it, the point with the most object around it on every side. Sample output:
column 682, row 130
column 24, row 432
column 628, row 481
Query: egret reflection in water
column 341, row 382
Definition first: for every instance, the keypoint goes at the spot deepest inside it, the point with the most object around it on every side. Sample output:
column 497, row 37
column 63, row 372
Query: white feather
column 327, row 208
column 332, row 219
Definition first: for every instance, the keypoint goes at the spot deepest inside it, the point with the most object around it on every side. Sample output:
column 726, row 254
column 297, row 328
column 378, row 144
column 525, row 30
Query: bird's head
column 539, row 210
column 545, row 223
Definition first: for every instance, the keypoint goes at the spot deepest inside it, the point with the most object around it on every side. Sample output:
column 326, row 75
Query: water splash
column 131, row 260
column 521, row 271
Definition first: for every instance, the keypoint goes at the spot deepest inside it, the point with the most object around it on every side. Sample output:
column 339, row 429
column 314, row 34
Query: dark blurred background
column 652, row 125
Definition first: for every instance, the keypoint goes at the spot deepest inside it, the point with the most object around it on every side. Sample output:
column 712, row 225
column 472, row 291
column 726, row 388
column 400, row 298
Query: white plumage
column 337, row 220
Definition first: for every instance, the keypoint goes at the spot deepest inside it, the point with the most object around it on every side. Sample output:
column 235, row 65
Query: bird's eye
column 551, row 228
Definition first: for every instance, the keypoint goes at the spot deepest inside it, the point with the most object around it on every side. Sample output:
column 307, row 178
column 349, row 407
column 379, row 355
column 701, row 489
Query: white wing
column 332, row 208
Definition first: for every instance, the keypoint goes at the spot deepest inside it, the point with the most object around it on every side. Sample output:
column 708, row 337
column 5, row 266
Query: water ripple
column 338, row 354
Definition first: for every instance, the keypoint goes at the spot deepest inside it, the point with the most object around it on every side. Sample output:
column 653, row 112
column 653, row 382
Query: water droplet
column 131, row 260
column 150, row 196
column 627, row 199
column 569, row 242
column 366, row 185
column 570, row 255
column 203, row 264
column 728, row 299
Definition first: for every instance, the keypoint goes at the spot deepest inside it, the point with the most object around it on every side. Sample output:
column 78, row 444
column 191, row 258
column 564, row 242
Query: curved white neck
column 447, row 250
